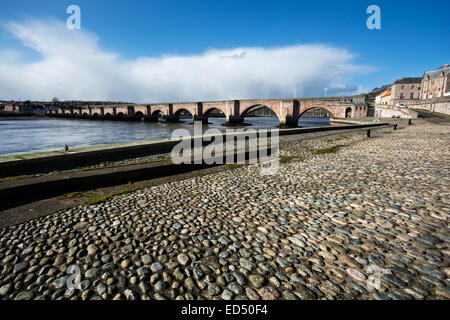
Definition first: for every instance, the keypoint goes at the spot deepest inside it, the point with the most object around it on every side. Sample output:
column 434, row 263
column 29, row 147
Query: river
column 30, row 136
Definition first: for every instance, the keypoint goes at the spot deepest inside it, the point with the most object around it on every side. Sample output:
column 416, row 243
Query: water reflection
column 29, row 136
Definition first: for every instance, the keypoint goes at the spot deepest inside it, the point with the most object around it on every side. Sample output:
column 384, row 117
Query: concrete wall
column 383, row 111
column 441, row 105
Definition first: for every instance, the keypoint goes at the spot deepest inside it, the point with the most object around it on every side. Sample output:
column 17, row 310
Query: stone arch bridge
column 288, row 111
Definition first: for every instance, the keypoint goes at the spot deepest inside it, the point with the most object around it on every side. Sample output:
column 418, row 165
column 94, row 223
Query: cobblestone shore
column 344, row 218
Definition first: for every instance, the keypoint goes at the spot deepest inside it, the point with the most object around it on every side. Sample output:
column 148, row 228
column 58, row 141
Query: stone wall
column 384, row 111
column 441, row 105
column 288, row 111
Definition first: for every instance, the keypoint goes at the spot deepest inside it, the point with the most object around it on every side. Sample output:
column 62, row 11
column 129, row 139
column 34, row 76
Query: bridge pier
column 289, row 122
column 234, row 121
column 151, row 119
column 203, row 119
column 171, row 119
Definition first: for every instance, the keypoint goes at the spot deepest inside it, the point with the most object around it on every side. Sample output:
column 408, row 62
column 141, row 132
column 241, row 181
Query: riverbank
column 337, row 208
column 25, row 192
column 9, row 115
column 56, row 161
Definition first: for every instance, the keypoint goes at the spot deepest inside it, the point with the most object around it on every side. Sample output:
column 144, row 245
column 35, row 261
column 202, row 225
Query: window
column 411, row 95
column 412, row 86
column 401, row 95
column 402, row 87
column 418, row 88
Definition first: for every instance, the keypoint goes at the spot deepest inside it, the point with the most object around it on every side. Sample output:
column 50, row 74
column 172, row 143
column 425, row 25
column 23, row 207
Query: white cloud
column 72, row 65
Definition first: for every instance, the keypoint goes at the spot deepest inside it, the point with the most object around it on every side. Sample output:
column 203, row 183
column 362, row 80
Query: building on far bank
column 11, row 107
column 384, row 97
column 436, row 84
column 401, row 91
column 405, row 89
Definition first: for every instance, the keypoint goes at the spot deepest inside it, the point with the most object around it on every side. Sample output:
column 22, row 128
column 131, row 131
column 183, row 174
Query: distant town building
column 436, row 83
column 384, row 97
column 360, row 99
column 401, row 91
column 11, row 107
column 405, row 89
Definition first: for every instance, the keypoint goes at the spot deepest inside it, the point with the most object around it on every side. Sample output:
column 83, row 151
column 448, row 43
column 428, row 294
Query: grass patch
column 433, row 117
column 6, row 179
column 286, row 159
column 233, row 166
column 100, row 199
column 112, row 164
column 437, row 120
column 328, row 150
column 75, row 195
column 97, row 200
column 337, row 139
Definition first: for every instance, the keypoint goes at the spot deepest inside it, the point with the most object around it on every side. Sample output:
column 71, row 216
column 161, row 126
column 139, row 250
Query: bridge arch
column 157, row 110
column 214, row 111
column 246, row 110
column 348, row 112
column 139, row 116
column 247, row 107
column 207, row 109
column 182, row 111
column 108, row 116
column 317, row 112
column 157, row 115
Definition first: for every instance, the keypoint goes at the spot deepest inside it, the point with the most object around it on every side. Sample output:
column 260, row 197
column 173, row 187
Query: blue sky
column 413, row 38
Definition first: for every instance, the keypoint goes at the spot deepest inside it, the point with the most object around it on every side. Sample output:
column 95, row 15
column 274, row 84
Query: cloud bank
column 72, row 65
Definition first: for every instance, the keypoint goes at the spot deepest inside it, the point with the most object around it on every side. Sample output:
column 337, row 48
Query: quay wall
column 386, row 111
column 78, row 159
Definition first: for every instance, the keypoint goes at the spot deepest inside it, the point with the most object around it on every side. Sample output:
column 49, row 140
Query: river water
column 30, row 136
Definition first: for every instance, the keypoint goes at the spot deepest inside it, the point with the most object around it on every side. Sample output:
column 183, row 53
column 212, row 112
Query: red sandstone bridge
column 288, row 111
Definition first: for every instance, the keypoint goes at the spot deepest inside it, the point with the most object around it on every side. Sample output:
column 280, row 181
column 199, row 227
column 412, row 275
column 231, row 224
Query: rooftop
column 408, row 81
column 384, row 93
column 430, row 75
